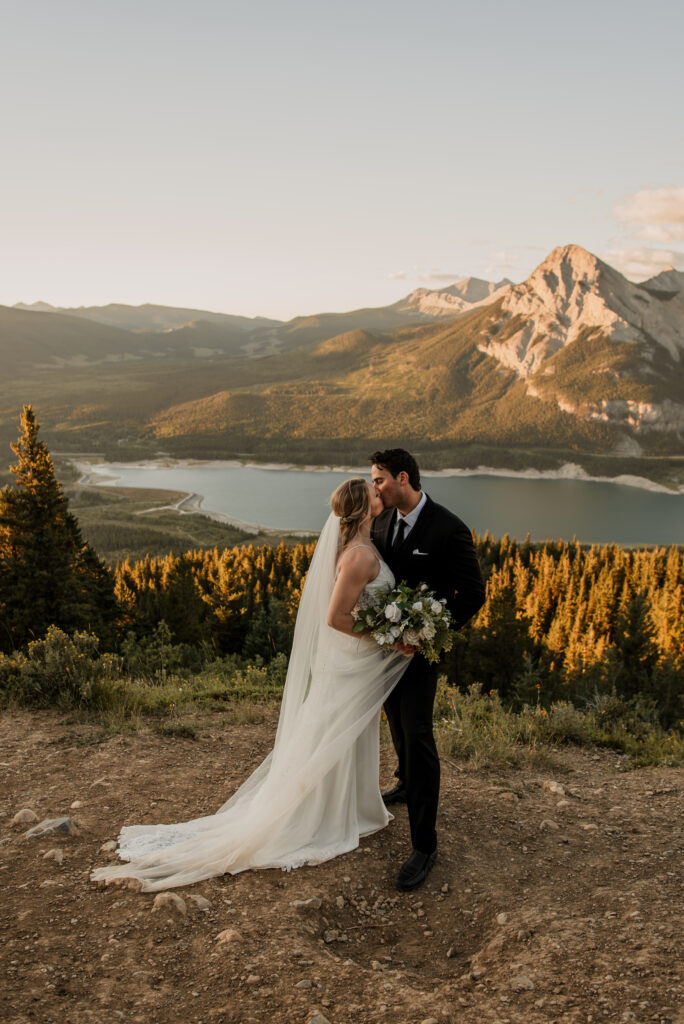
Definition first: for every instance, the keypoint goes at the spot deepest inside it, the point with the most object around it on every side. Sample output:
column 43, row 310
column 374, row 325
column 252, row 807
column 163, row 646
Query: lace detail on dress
column 157, row 838
column 370, row 594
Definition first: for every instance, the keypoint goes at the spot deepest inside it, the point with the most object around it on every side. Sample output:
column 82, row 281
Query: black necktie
column 401, row 530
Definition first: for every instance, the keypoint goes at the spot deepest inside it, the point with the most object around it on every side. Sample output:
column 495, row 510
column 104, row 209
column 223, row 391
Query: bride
column 317, row 792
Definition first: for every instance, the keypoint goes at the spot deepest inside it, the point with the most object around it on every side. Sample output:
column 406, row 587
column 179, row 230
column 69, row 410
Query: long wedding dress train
column 317, row 792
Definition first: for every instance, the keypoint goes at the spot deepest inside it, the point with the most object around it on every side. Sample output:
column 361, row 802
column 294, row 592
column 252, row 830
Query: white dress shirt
column 410, row 518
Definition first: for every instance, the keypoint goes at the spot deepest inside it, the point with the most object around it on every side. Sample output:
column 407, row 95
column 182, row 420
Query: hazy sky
column 277, row 158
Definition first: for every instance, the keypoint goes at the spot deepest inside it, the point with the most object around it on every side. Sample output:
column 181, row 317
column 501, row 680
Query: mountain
column 148, row 317
column 576, row 361
column 461, row 297
column 600, row 346
column 171, row 331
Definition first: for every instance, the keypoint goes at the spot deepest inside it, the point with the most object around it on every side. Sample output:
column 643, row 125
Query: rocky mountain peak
column 570, row 292
column 668, row 280
column 453, row 299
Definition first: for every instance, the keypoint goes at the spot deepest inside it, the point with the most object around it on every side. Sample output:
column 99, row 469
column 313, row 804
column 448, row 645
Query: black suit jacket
column 439, row 551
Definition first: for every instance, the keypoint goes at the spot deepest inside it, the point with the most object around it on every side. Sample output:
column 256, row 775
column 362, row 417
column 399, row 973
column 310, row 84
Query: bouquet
column 409, row 616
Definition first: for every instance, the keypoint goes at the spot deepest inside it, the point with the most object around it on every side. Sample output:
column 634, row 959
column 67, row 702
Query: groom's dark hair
column 397, row 460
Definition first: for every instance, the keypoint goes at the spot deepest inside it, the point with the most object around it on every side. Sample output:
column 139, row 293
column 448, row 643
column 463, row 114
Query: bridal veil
column 317, row 792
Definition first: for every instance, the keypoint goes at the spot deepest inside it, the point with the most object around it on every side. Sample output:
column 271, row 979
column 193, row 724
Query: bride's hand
column 406, row 649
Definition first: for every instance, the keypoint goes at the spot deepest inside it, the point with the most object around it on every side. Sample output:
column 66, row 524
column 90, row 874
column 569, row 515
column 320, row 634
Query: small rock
column 430, row 1020
column 253, row 979
column 311, row 904
column 340, row 902
column 331, row 935
column 376, row 965
column 548, row 824
column 445, row 887
column 170, row 901
column 562, row 803
column 501, row 918
column 228, row 935
column 523, row 935
column 450, row 952
column 25, row 817
column 63, row 826
column 55, row 854
column 48, row 883
column 200, row 902
column 588, row 826
column 304, row 983
column 76, row 804
column 100, row 782
column 553, row 787
column 109, row 846
column 522, row 983
column 317, row 1018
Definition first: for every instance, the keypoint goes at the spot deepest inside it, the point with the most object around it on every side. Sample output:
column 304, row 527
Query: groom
column 422, row 542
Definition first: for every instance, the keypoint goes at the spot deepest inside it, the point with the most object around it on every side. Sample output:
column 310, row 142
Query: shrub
column 57, row 669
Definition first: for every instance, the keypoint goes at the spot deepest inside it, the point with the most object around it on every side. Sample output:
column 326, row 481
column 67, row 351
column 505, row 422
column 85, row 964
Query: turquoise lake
column 292, row 499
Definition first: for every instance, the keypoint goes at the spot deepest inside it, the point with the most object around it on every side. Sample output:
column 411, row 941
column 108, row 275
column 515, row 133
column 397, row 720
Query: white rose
column 395, row 631
column 393, row 612
column 436, row 608
column 417, row 606
column 423, row 586
column 428, row 631
column 411, row 637
column 382, row 639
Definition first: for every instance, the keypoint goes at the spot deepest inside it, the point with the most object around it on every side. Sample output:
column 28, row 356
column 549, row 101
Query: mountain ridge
column 575, row 359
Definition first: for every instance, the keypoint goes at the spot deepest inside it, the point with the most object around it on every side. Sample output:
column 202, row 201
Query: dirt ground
column 543, row 906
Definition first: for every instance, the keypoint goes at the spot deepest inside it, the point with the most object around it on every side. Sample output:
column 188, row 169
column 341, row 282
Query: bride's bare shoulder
column 358, row 557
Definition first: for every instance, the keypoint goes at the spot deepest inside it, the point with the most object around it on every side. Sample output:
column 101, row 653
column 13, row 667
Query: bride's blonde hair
column 351, row 502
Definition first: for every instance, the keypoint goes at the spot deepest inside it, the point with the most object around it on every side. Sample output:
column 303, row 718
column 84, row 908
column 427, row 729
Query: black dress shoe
column 415, row 870
column 395, row 795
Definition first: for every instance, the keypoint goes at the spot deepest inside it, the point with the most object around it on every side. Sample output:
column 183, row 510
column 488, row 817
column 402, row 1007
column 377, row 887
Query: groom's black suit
column 438, row 551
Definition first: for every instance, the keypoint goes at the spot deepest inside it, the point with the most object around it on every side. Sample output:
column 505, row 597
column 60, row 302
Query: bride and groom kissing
column 317, row 792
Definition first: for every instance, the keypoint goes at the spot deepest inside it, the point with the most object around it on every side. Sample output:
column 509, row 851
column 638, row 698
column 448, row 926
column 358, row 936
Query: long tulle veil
column 311, row 631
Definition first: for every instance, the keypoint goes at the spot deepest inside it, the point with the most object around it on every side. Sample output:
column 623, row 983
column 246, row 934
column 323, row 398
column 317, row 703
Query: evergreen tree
column 48, row 575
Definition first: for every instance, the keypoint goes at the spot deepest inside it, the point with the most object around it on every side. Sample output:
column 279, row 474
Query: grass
column 68, row 673
column 478, row 729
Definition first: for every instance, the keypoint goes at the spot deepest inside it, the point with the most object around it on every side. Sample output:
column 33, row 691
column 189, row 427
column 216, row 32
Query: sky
column 277, row 159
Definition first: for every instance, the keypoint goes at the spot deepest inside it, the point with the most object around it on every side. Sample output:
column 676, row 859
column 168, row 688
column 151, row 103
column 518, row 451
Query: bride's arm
column 356, row 569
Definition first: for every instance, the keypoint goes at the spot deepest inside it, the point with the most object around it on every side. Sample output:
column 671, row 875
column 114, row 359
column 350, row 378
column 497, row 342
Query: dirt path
column 521, row 920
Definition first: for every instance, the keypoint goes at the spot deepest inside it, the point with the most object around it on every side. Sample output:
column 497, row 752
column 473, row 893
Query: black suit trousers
column 409, row 714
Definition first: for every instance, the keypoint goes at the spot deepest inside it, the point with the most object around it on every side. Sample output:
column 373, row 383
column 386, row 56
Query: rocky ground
column 556, row 896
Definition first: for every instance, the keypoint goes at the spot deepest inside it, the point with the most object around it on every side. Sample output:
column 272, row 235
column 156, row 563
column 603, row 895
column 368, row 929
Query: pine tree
column 48, row 575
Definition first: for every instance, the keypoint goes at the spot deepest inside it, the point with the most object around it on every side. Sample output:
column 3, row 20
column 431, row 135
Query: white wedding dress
column 318, row 790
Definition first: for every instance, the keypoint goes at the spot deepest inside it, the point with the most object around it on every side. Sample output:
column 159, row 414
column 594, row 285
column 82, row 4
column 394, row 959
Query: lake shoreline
column 244, row 514
column 191, row 502
column 568, row 471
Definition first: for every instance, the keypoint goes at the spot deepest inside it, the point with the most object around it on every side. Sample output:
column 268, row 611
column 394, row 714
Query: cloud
column 435, row 276
column 639, row 262
column 439, row 277
column 659, row 211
